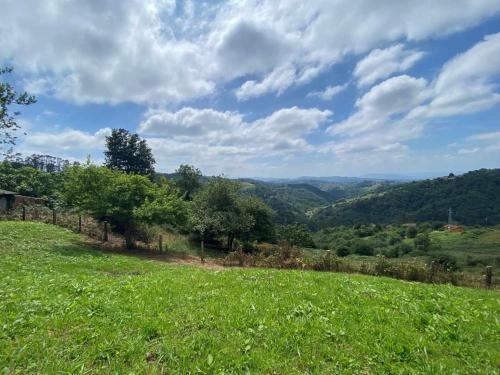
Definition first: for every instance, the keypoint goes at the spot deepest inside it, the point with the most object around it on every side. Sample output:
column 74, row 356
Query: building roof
column 6, row 192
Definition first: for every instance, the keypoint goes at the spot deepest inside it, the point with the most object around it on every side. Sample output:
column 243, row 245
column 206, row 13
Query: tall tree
column 8, row 124
column 128, row 153
column 188, row 179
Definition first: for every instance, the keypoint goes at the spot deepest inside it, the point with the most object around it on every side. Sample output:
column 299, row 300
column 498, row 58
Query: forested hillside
column 473, row 197
column 297, row 201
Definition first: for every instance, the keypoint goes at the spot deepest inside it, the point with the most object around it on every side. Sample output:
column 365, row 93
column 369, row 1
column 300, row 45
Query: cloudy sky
column 263, row 88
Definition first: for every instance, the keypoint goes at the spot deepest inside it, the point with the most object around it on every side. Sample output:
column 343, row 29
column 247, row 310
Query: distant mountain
column 407, row 176
column 474, row 198
column 312, row 179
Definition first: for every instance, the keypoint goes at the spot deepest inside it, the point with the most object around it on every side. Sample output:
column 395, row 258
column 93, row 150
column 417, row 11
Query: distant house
column 454, row 228
column 11, row 199
column 409, row 225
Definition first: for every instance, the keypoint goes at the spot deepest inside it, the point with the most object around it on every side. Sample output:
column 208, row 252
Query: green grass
column 474, row 249
column 66, row 308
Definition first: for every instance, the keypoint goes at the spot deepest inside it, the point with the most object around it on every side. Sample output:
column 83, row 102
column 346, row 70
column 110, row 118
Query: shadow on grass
column 90, row 247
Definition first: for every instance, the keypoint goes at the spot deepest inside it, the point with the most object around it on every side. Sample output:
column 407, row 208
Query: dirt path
column 167, row 257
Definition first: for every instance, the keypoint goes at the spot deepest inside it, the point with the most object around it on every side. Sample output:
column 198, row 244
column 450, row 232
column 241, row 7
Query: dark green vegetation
column 9, row 101
column 128, row 153
column 68, row 308
column 297, row 202
column 474, row 198
column 469, row 251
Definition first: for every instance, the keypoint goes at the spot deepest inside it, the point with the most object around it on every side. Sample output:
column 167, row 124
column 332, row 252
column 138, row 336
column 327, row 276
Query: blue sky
column 257, row 88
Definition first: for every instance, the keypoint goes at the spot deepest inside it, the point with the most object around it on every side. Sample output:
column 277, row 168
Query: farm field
column 69, row 308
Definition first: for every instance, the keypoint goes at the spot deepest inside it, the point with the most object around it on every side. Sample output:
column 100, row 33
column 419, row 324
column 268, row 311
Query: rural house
column 11, row 199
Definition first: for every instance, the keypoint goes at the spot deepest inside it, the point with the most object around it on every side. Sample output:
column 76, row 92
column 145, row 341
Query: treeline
column 473, row 197
column 128, row 193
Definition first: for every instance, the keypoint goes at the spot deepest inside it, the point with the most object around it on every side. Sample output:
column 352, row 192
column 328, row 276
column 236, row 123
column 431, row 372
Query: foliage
column 29, row 181
column 422, row 242
column 122, row 199
column 295, row 235
column 128, row 153
column 472, row 196
column 218, row 209
column 188, row 180
column 8, row 98
column 68, row 308
column 45, row 163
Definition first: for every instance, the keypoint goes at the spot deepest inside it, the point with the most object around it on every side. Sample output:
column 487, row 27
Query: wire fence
column 74, row 221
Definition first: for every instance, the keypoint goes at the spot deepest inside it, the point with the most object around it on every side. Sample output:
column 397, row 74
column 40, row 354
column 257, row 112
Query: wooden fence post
column 54, row 217
column 488, row 275
column 24, row 213
column 202, row 252
column 105, row 234
column 79, row 223
column 433, row 270
column 160, row 243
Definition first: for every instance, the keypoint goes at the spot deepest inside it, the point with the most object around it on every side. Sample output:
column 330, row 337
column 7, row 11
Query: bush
column 411, row 232
column 422, row 242
column 343, row 251
column 448, row 262
column 362, row 247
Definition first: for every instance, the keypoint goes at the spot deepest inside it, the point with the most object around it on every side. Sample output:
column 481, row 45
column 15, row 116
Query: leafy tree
column 362, row 247
column 30, row 181
column 411, row 232
column 188, row 179
column 422, row 242
column 8, row 124
column 128, row 153
column 220, row 210
column 263, row 228
column 343, row 251
column 124, row 200
column 295, row 235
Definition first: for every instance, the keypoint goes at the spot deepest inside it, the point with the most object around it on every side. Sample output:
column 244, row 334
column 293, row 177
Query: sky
column 262, row 88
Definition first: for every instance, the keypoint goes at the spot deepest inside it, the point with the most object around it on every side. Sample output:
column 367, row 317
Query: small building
column 11, row 199
column 454, row 228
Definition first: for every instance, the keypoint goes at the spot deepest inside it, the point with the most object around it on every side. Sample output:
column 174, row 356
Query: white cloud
column 66, row 140
column 149, row 51
column 381, row 63
column 394, row 96
column 216, row 140
column 466, row 83
column 329, row 92
column 399, row 108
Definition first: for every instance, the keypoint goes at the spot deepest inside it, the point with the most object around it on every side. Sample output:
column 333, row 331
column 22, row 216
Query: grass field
column 66, row 308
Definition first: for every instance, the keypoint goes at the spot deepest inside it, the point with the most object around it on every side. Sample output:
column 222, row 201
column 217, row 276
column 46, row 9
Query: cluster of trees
column 473, row 198
column 41, row 162
column 371, row 239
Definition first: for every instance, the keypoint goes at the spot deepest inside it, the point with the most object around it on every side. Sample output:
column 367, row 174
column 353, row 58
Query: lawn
column 68, row 308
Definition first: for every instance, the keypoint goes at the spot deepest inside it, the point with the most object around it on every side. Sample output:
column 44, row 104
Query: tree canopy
column 128, row 153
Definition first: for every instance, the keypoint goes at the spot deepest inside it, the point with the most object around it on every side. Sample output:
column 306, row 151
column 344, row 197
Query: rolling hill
column 474, row 198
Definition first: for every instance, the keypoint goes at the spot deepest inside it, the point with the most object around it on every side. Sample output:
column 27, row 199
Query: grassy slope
column 65, row 306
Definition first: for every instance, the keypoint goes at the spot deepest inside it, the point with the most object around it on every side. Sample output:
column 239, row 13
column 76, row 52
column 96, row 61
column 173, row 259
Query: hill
column 296, row 202
column 69, row 308
column 474, row 198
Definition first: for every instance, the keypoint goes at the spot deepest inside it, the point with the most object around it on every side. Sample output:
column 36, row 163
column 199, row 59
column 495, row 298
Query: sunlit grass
column 68, row 308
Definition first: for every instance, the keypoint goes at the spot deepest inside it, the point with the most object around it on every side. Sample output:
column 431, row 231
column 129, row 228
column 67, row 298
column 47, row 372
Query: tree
column 422, row 242
column 295, row 235
column 220, row 210
column 8, row 124
column 125, row 200
column 128, row 153
column 188, row 179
